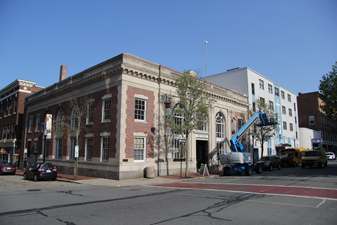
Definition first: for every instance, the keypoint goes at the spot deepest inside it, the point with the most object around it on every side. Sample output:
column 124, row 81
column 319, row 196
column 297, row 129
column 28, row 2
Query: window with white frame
column 72, row 148
column 58, row 148
column 219, row 125
column 106, row 110
column 282, row 95
column 271, row 105
column 139, row 149
column 270, row 88
column 140, row 109
column 284, row 110
column 30, row 126
column 291, row 127
column 105, row 149
column 290, row 112
column 8, row 131
column 74, row 120
column 289, row 98
column 253, row 88
column 176, row 149
column 284, row 125
column 90, row 113
column 202, row 125
column 37, row 124
column 88, row 149
column 261, row 83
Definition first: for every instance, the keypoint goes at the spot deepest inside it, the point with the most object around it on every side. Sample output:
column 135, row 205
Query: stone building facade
column 125, row 130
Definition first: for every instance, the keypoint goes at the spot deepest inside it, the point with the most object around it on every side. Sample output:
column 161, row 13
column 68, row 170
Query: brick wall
column 134, row 126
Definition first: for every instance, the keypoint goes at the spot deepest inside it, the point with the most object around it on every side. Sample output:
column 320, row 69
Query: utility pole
column 206, row 58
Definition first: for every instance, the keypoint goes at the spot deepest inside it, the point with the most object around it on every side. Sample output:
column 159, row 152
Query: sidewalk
column 130, row 182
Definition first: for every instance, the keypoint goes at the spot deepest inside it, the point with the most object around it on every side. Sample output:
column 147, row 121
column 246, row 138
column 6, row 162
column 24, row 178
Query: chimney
column 63, row 72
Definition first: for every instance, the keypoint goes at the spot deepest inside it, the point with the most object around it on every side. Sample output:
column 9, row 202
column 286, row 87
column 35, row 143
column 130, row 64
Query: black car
column 7, row 168
column 40, row 171
column 270, row 162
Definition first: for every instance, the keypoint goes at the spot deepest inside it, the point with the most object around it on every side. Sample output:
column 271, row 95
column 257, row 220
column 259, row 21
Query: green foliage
column 328, row 92
column 192, row 108
column 263, row 133
column 193, row 104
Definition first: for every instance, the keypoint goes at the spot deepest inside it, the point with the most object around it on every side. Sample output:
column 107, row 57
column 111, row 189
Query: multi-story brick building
column 311, row 116
column 256, row 86
column 12, row 98
column 125, row 125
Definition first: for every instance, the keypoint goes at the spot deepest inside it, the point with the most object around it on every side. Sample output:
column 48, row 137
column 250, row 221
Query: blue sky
column 292, row 42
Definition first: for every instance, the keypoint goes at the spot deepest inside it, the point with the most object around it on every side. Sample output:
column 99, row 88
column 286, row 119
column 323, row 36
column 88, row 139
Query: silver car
column 331, row 155
column 7, row 168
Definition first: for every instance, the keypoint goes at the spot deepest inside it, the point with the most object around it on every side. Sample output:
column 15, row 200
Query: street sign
column 76, row 151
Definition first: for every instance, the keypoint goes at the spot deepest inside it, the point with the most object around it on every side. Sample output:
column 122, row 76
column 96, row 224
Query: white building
column 256, row 86
column 310, row 138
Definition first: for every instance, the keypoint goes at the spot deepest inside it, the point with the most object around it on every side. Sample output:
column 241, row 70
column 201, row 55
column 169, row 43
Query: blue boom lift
column 239, row 160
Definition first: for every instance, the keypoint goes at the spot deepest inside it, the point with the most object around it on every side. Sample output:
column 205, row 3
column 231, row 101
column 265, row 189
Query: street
column 286, row 196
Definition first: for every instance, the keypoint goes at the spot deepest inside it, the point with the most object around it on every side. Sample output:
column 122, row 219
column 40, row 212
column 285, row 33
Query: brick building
column 125, row 125
column 12, row 98
column 311, row 116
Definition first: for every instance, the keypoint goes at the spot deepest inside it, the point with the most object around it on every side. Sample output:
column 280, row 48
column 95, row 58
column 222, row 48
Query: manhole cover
column 34, row 190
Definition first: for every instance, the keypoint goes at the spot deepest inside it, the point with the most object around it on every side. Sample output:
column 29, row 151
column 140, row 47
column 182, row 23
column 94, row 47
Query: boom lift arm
column 236, row 145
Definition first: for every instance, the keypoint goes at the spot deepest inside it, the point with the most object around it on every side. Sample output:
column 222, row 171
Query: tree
column 263, row 133
column 75, row 123
column 328, row 92
column 193, row 106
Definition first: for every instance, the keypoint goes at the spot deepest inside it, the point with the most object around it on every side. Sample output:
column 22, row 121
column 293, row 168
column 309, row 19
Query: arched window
column 220, row 131
column 178, row 135
column 59, row 120
column 220, row 125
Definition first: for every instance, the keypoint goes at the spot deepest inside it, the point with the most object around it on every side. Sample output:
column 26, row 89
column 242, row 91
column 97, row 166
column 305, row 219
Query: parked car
column 40, row 171
column 7, row 168
column 331, row 155
column 314, row 157
column 269, row 162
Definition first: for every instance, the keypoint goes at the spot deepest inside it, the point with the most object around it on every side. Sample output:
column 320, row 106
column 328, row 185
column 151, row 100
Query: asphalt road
column 51, row 202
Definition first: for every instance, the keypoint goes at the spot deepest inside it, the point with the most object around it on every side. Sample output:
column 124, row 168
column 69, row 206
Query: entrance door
column 202, row 153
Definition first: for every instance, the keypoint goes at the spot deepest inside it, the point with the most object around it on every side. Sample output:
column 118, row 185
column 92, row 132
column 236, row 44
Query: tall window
column 289, row 98
column 139, row 149
column 219, row 125
column 88, row 149
column 261, row 83
column 140, row 109
column 282, row 95
column 90, row 113
column 15, row 105
column 291, row 127
column 8, row 131
column 4, row 132
column 72, row 148
column 74, row 120
column 30, row 126
column 284, row 125
column 59, row 120
column 253, row 88
column 277, row 91
column 290, row 112
column 106, row 109
column 270, row 88
column 271, row 105
column 283, row 110
column 47, row 147
column 105, row 149
column 37, row 125
column 176, row 149
column 58, row 148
